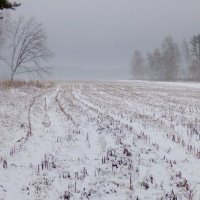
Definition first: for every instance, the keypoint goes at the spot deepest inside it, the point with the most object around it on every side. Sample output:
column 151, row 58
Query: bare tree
column 156, row 71
column 186, row 61
column 27, row 47
column 195, row 67
column 137, row 65
column 171, row 58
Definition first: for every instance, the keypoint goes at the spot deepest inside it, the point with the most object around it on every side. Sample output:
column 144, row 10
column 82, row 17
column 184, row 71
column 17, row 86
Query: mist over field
column 99, row 100
column 103, row 35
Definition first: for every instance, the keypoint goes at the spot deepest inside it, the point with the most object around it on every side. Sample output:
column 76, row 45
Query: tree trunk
column 12, row 77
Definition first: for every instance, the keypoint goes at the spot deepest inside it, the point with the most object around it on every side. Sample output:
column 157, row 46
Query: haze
column 95, row 39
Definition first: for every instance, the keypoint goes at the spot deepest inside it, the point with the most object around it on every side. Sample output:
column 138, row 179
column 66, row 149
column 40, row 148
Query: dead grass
column 6, row 84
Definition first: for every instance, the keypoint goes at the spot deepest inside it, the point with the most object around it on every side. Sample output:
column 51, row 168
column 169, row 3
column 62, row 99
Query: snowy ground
column 100, row 140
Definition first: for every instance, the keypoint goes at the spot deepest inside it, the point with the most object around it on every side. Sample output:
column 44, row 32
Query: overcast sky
column 101, row 35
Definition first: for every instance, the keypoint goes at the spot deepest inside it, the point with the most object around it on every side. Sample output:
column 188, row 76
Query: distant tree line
column 170, row 62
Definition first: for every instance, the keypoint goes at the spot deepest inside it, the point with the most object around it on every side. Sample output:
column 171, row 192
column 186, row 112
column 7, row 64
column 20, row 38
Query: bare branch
column 44, row 69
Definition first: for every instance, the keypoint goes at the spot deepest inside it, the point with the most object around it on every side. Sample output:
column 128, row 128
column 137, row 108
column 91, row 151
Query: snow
column 100, row 140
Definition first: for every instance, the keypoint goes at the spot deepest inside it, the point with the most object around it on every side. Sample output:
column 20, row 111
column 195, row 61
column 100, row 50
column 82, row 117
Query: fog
column 94, row 39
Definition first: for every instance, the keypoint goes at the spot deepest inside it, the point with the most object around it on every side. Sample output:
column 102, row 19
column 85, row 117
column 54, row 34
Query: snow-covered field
column 100, row 140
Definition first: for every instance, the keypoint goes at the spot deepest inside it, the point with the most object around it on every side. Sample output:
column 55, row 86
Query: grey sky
column 102, row 34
